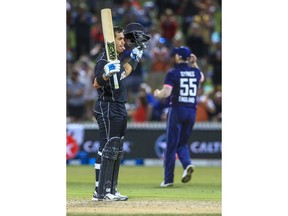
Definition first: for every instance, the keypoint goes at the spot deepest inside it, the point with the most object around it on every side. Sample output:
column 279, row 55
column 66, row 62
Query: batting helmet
column 134, row 33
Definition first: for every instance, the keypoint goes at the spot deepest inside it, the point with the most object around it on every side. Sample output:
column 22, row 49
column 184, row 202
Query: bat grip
column 116, row 84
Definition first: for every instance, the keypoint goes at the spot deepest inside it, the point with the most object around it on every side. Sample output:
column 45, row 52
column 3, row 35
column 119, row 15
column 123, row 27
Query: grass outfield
column 200, row 196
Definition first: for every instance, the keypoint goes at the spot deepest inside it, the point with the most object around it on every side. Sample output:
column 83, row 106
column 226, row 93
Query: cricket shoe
column 94, row 197
column 107, row 197
column 112, row 197
column 122, row 197
column 187, row 173
column 166, row 185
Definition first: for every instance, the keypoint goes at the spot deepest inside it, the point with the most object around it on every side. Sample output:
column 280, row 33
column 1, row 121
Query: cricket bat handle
column 116, row 84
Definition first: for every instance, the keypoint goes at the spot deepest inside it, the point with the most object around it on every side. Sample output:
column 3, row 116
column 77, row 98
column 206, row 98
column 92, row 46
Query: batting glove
column 136, row 53
column 111, row 68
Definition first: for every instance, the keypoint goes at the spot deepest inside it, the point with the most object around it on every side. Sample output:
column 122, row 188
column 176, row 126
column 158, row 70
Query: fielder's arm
column 164, row 92
column 193, row 61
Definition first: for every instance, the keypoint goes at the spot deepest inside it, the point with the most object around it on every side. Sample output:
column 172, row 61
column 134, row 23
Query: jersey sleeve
column 169, row 80
column 99, row 67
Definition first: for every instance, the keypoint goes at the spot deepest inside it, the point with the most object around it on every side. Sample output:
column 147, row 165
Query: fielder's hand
column 156, row 93
column 111, row 68
column 193, row 58
column 136, row 53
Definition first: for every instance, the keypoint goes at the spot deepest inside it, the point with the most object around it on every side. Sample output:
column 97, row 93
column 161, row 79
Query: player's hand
column 136, row 53
column 193, row 58
column 193, row 61
column 156, row 92
column 111, row 68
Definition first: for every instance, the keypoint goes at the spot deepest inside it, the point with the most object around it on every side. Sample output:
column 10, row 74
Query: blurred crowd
column 170, row 23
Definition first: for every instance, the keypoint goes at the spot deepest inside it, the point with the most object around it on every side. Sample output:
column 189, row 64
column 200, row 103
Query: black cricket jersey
column 108, row 92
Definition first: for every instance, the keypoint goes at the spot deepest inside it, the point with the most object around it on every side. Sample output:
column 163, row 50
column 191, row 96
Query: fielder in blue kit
column 181, row 85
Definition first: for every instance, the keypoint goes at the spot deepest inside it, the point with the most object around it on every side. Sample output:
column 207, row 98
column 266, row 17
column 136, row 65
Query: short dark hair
column 117, row 29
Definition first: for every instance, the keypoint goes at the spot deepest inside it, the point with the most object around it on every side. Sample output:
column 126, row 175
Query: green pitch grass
column 142, row 183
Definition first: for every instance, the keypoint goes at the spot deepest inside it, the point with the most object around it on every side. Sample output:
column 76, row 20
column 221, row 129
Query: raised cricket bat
column 109, row 40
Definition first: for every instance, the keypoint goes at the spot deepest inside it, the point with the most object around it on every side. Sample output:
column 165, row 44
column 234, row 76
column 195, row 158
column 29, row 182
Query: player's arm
column 202, row 77
column 128, row 69
column 96, row 85
column 193, row 61
column 109, row 70
column 136, row 55
column 164, row 92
